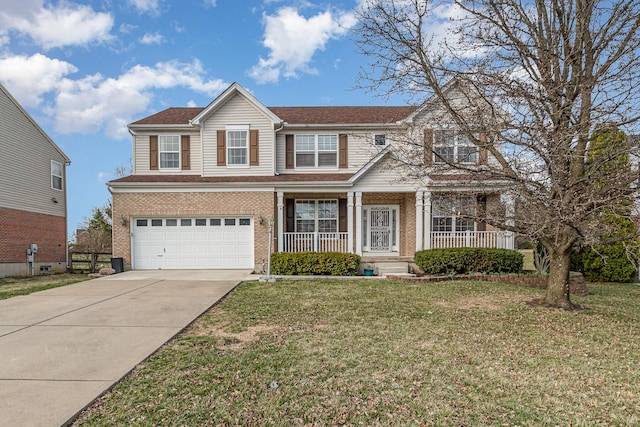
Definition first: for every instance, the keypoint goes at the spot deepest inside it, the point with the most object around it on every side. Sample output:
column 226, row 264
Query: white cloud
column 146, row 6
column 103, row 176
column 152, row 38
column 210, row 3
column 50, row 26
column 293, row 40
column 192, row 103
column 96, row 103
column 28, row 78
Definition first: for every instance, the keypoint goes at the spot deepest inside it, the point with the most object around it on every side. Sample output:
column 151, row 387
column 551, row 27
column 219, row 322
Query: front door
column 380, row 229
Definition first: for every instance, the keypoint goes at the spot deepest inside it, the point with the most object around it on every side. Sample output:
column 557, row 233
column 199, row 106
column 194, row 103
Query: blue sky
column 85, row 69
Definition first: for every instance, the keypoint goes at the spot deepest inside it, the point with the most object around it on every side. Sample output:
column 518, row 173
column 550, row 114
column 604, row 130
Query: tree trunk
column 558, row 285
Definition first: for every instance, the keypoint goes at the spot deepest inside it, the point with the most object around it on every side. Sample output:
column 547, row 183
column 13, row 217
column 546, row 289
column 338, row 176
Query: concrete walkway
column 62, row 348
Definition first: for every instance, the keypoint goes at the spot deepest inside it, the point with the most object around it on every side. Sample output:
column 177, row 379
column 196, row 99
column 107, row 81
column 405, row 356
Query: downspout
column 66, row 217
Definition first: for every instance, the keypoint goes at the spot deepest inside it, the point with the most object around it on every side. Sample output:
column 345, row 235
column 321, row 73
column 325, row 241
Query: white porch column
column 359, row 222
column 350, row 220
column 419, row 217
column 280, row 221
column 509, row 203
column 426, row 201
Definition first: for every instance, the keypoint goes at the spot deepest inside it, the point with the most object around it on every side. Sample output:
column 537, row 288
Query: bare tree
column 544, row 74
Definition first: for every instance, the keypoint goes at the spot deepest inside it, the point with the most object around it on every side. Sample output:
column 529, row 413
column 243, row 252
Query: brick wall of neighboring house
column 18, row 229
column 131, row 205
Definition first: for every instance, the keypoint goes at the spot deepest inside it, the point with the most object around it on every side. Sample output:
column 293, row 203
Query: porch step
column 391, row 267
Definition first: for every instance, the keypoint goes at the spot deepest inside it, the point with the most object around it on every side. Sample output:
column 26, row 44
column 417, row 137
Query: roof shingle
column 295, row 115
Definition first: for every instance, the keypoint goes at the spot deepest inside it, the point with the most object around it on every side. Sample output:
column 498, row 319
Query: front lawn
column 14, row 286
column 372, row 352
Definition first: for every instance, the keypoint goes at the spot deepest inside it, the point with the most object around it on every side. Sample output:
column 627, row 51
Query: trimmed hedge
column 469, row 260
column 314, row 263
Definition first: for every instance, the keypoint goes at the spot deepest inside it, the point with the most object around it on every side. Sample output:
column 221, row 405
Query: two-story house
column 33, row 201
column 208, row 184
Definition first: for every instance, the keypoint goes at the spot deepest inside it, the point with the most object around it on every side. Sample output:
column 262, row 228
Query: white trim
column 370, row 164
column 280, row 207
column 373, row 139
column 173, row 169
column 316, row 152
column 359, row 222
column 427, row 219
column 350, row 220
column 394, row 250
column 61, row 176
column 237, row 128
column 419, row 218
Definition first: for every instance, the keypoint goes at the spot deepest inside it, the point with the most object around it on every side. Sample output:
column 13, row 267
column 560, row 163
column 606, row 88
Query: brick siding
column 18, row 229
column 132, row 205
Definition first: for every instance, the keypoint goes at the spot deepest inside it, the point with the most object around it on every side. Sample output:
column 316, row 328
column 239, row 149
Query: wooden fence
column 88, row 262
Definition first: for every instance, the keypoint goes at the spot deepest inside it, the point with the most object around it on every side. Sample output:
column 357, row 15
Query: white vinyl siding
column 25, row 164
column 237, row 111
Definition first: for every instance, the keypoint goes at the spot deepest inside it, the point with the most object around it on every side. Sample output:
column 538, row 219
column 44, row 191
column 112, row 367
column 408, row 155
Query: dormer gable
column 228, row 94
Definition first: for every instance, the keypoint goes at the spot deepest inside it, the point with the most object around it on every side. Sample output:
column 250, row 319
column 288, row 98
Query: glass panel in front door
column 380, row 229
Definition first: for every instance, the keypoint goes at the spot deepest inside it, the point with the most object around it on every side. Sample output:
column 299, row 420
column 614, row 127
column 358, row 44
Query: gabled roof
column 229, row 93
column 326, row 115
column 171, row 116
column 34, row 123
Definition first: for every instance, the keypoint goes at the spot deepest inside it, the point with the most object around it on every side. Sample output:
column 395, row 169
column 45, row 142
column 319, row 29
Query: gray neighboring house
column 33, row 196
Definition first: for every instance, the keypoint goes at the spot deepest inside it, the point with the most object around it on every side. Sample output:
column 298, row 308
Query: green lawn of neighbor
column 14, row 286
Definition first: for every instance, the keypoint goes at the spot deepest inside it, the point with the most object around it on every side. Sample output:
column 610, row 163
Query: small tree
column 94, row 234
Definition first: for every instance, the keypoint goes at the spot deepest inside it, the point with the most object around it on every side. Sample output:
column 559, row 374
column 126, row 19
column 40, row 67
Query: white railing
column 472, row 239
column 316, row 242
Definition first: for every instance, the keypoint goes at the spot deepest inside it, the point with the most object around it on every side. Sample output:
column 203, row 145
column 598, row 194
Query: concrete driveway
column 62, row 348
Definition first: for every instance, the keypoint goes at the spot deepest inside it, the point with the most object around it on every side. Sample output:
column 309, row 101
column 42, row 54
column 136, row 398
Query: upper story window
column 316, row 150
column 169, row 151
column 237, row 145
column 447, row 214
column 56, row 175
column 380, row 139
column 450, row 146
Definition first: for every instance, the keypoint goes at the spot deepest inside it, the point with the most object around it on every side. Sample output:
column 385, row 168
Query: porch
column 385, row 224
column 339, row 242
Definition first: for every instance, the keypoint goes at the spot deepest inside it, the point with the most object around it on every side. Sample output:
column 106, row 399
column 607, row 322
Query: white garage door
column 192, row 243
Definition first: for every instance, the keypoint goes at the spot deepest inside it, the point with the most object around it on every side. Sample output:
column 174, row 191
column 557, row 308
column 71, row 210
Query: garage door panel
column 213, row 243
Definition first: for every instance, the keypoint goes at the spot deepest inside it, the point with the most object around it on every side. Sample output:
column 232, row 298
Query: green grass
column 381, row 353
column 14, row 286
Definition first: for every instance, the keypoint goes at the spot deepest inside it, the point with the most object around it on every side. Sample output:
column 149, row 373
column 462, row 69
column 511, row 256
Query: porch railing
column 316, row 242
column 472, row 239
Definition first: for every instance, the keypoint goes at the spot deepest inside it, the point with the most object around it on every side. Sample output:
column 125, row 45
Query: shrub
column 468, row 260
column 607, row 264
column 314, row 263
